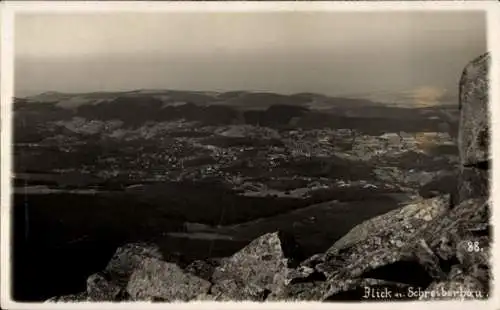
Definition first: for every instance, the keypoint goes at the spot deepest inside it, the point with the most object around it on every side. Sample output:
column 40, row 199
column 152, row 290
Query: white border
column 240, row 6
column 494, row 47
column 7, row 83
column 10, row 8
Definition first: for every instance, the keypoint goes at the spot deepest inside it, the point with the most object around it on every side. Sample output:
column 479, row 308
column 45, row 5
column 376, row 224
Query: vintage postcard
column 248, row 154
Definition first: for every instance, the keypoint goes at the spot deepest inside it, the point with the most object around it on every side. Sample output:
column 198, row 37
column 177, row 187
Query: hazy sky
column 330, row 53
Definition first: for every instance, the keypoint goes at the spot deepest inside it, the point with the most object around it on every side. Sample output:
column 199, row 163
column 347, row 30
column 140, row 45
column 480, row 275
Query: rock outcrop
column 258, row 270
column 465, row 231
column 158, row 280
column 474, row 112
column 436, row 248
column 127, row 258
column 474, row 130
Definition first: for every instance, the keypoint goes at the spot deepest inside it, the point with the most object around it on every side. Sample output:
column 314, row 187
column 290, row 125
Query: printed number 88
column 473, row 246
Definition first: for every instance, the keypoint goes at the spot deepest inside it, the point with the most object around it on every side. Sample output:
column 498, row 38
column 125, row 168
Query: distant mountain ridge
column 54, row 95
column 139, row 108
column 255, row 99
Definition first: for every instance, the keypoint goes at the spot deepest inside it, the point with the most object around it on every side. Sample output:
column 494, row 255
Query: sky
column 332, row 53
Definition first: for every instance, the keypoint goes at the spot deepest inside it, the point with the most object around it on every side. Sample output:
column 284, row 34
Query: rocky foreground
column 437, row 248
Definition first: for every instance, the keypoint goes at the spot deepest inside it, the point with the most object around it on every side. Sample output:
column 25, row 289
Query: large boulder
column 157, row 280
column 127, row 258
column 258, row 270
column 407, row 219
column 383, row 248
column 474, row 130
column 409, row 251
column 473, row 141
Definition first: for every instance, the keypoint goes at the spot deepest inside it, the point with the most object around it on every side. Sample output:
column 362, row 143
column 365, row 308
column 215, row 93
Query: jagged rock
column 382, row 240
column 397, row 225
column 461, row 238
column 384, row 248
column 127, row 258
column 154, row 278
column 257, row 270
column 99, row 288
column 473, row 142
column 440, row 240
column 474, row 130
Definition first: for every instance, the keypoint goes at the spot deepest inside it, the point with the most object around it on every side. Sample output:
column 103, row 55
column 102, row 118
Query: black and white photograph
column 259, row 156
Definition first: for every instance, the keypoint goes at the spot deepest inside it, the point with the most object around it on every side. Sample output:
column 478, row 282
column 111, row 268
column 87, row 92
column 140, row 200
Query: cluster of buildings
column 168, row 154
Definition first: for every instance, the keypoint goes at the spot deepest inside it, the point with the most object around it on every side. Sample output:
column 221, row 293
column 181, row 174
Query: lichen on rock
column 474, row 129
column 154, row 278
column 474, row 135
column 127, row 258
column 258, row 269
